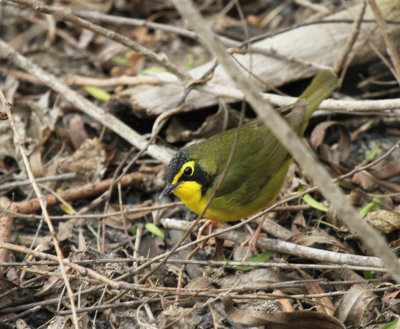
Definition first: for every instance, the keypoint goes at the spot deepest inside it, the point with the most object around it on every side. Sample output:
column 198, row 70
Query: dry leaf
column 50, row 285
column 281, row 320
column 383, row 220
column 323, row 304
column 331, row 153
column 357, row 306
column 365, row 180
column 61, row 322
column 65, row 230
column 5, row 288
column 118, row 222
column 390, row 170
column 309, row 239
column 88, row 162
column 258, row 278
column 179, row 316
column 178, row 131
column 75, row 128
column 21, row 324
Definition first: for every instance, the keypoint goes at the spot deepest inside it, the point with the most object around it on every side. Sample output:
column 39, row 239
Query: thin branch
column 286, row 247
column 55, row 178
column 181, row 225
column 352, row 39
column 390, row 46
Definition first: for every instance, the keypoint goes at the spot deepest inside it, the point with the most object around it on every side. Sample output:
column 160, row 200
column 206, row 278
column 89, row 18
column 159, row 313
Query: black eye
column 188, row 171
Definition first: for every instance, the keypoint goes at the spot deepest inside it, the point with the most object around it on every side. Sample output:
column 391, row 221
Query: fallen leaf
column 383, row 220
column 281, row 320
column 365, row 180
column 337, row 152
column 357, row 306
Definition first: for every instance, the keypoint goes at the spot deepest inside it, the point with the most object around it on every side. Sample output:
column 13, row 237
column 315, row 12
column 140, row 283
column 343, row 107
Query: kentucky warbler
column 258, row 167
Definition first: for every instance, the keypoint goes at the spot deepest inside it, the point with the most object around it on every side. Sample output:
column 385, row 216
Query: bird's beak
column 168, row 189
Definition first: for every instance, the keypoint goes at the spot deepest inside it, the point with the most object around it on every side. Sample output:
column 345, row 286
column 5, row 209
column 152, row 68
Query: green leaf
column 190, row 63
column 66, row 206
column 312, row 202
column 152, row 69
column 390, row 325
column 261, row 258
column 376, row 203
column 97, row 93
column 368, row 275
column 155, row 230
column 371, row 155
column 17, row 239
column 120, row 60
column 133, row 229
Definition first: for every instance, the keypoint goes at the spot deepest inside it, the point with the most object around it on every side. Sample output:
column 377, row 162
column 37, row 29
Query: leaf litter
column 190, row 290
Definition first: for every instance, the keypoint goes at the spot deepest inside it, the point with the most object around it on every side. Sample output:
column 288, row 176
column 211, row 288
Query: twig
column 327, row 104
column 77, row 80
column 390, row 47
column 7, row 186
column 21, row 315
column 352, row 39
column 287, row 247
column 373, row 261
column 129, row 21
column 177, row 224
column 25, row 205
column 74, row 193
column 6, row 226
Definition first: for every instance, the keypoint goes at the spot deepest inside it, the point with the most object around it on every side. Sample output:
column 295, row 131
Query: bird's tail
column 323, row 84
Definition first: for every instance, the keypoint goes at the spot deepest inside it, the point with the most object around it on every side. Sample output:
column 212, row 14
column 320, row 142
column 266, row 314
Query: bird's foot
column 211, row 224
column 252, row 241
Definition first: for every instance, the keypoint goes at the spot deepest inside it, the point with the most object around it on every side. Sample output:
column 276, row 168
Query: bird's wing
column 252, row 167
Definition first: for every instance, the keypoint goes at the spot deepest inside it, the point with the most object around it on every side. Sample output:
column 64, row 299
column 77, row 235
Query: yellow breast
column 190, row 193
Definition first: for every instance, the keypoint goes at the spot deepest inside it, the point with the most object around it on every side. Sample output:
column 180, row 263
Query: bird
column 257, row 170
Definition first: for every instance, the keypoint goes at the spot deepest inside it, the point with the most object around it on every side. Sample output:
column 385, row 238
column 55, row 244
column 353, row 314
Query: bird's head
column 185, row 176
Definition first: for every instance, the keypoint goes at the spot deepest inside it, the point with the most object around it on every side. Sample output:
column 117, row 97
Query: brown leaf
column 357, row 305
column 117, row 221
column 76, row 130
column 35, row 159
column 309, row 239
column 263, row 277
column 365, row 180
column 281, row 320
column 88, row 161
column 65, row 231
column 178, row 131
column 383, row 220
column 337, row 152
column 286, row 304
column 391, row 170
column 7, row 286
